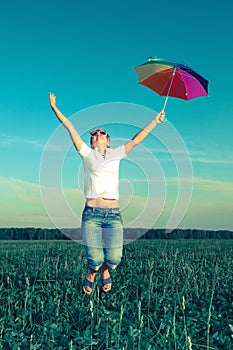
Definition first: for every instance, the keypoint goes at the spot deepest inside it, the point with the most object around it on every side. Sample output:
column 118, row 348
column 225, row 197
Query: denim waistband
column 103, row 210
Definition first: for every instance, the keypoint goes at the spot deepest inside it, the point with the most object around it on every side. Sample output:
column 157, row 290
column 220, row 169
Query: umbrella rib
column 182, row 82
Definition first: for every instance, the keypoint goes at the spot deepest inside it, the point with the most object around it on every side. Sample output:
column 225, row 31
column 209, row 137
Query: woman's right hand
column 52, row 99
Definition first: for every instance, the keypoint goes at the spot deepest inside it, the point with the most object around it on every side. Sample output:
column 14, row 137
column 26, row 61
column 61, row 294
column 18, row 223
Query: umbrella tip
column 151, row 58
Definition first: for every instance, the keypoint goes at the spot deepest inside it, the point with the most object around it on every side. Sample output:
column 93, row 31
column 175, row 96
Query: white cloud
column 226, row 188
column 212, row 160
column 21, row 205
column 7, row 140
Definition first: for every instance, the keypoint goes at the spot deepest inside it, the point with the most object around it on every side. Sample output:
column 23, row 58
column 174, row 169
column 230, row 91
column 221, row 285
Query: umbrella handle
column 165, row 119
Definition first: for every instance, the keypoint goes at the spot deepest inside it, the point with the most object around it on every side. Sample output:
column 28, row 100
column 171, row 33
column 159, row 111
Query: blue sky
column 85, row 52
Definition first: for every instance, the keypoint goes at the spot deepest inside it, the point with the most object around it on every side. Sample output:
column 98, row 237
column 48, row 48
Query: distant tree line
column 32, row 233
column 188, row 234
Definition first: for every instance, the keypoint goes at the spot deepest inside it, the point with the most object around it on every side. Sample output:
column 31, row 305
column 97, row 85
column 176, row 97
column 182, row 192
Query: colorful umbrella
column 171, row 79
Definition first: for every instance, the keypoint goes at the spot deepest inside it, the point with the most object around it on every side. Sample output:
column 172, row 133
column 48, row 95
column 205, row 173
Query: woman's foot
column 88, row 283
column 106, row 279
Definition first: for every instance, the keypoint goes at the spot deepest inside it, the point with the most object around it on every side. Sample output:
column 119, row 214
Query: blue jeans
column 102, row 233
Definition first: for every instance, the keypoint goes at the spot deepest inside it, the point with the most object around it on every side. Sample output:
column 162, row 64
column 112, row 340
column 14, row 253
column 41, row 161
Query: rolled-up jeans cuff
column 94, row 267
column 111, row 266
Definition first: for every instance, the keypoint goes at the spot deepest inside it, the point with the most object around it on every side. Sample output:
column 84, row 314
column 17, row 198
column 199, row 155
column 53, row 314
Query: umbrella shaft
column 169, row 89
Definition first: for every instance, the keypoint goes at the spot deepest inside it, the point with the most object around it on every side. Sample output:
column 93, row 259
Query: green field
column 166, row 295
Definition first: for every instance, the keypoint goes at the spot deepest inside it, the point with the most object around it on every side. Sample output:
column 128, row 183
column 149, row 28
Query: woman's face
column 99, row 139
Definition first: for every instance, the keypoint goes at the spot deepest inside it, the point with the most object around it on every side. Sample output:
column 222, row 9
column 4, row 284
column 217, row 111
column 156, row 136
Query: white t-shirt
column 101, row 174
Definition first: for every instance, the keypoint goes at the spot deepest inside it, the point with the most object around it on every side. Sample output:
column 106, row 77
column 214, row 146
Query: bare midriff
column 102, row 203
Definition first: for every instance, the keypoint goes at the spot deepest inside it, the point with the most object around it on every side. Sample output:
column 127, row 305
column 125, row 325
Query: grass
column 166, row 295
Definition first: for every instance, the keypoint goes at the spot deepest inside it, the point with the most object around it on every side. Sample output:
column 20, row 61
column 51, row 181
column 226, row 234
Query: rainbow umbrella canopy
column 171, row 79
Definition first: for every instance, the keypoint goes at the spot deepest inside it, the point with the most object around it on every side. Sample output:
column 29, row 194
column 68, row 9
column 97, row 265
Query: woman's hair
column 108, row 139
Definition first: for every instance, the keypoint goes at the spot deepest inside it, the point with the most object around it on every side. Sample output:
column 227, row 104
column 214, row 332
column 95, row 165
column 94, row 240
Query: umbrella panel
column 147, row 69
column 184, row 85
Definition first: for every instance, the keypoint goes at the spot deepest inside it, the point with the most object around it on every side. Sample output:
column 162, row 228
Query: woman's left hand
column 160, row 116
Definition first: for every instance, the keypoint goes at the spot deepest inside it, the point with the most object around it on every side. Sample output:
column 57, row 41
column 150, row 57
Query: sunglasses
column 99, row 133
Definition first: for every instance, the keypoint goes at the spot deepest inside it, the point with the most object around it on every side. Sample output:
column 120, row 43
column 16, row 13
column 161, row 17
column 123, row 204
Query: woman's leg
column 92, row 240
column 113, row 246
column 113, row 239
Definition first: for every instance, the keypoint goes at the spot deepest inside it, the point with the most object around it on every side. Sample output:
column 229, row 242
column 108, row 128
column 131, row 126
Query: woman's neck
column 102, row 149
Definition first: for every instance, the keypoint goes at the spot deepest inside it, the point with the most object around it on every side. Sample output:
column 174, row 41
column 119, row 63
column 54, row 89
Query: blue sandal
column 105, row 282
column 88, row 286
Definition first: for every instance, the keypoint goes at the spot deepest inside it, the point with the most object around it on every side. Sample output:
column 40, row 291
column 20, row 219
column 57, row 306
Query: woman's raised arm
column 76, row 138
column 142, row 134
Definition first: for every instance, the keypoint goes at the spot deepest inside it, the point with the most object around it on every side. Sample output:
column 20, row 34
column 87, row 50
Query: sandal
column 87, row 286
column 105, row 282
